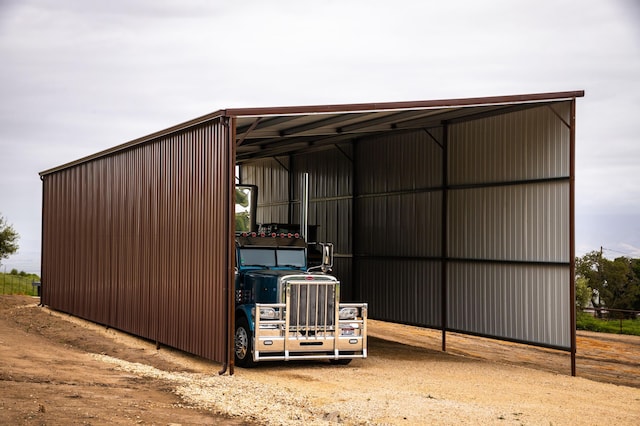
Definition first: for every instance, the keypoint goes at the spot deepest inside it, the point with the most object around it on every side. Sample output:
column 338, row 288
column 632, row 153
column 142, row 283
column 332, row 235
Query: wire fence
column 620, row 321
column 19, row 284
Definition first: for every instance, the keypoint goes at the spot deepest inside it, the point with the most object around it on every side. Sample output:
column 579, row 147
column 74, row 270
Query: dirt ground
column 57, row 369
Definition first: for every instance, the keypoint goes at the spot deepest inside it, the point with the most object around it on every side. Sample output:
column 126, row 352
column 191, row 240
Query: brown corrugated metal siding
column 138, row 240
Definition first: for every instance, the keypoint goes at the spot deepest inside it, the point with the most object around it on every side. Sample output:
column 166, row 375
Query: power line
column 618, row 251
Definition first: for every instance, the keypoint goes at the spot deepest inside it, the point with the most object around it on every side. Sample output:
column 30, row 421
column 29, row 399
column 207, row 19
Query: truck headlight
column 268, row 314
column 348, row 313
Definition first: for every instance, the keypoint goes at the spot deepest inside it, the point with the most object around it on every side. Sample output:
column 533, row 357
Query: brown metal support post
column 228, row 291
column 445, row 183
column 231, row 259
column 42, row 234
column 572, row 233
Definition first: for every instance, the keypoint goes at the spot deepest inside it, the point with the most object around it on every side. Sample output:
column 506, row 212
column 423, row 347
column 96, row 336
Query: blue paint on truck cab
column 286, row 310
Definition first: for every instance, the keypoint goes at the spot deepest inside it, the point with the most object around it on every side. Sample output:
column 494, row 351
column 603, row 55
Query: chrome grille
column 312, row 306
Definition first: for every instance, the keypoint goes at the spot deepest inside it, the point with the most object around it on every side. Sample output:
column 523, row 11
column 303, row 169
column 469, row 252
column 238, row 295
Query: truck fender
column 245, row 311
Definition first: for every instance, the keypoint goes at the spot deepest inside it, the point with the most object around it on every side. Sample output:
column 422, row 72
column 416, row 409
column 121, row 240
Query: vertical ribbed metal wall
column 520, row 302
column 330, row 204
column 330, row 194
column 525, row 145
column 399, row 204
column 509, row 226
column 527, row 222
column 401, row 290
column 272, row 176
column 138, row 239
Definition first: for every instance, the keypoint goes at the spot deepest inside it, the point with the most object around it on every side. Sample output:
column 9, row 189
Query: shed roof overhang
column 274, row 131
column 267, row 132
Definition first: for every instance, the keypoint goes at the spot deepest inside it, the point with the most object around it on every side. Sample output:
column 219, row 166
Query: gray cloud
column 81, row 76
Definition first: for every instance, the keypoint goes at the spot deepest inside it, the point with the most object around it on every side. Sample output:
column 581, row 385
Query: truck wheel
column 243, row 344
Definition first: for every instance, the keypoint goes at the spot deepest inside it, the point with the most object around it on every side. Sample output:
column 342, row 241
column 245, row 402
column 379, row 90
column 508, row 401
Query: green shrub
column 585, row 321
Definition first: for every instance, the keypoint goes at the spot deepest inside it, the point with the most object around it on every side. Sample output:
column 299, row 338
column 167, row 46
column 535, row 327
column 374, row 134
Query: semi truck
column 286, row 307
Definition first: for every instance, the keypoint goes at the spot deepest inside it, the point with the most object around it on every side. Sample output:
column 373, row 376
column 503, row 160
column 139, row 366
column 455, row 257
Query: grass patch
column 18, row 284
column 585, row 321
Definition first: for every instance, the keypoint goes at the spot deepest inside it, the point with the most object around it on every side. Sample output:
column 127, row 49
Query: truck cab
column 286, row 310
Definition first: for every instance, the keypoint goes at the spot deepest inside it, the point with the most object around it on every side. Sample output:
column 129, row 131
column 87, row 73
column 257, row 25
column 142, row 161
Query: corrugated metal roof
column 266, row 132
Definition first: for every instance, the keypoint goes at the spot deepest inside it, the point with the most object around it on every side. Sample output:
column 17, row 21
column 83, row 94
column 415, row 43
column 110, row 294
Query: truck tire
column 243, row 350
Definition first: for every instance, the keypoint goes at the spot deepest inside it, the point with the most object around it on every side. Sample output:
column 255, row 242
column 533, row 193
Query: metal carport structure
column 452, row 214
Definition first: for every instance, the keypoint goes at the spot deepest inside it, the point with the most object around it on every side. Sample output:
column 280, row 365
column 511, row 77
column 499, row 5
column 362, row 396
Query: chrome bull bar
column 309, row 324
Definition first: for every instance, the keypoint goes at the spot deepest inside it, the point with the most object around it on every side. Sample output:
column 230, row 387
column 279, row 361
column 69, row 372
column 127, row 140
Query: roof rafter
column 391, row 119
column 316, row 124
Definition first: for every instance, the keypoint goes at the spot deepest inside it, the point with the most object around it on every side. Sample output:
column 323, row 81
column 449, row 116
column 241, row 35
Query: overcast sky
column 80, row 76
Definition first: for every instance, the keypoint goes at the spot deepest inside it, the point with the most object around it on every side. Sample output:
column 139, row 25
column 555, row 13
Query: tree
column 590, row 268
column 622, row 288
column 615, row 284
column 8, row 239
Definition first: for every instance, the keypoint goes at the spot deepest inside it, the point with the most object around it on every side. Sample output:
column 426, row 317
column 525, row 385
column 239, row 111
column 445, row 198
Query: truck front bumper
column 278, row 340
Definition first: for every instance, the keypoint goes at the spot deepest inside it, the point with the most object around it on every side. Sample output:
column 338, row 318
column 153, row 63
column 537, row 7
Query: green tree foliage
column 614, row 284
column 590, row 268
column 583, row 293
column 243, row 219
column 243, row 222
column 8, row 239
column 242, row 198
column 635, row 268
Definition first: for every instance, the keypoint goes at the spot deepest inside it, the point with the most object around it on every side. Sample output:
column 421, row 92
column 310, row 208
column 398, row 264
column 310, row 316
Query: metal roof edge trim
column 319, row 109
column 361, row 107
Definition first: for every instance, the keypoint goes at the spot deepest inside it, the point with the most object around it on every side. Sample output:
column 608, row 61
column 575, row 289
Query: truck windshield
column 269, row 257
column 292, row 258
column 257, row 257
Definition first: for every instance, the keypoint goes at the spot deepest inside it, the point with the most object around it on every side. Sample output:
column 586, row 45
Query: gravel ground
column 58, row 369
column 230, row 395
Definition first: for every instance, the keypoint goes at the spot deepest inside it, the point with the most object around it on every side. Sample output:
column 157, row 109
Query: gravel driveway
column 82, row 373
